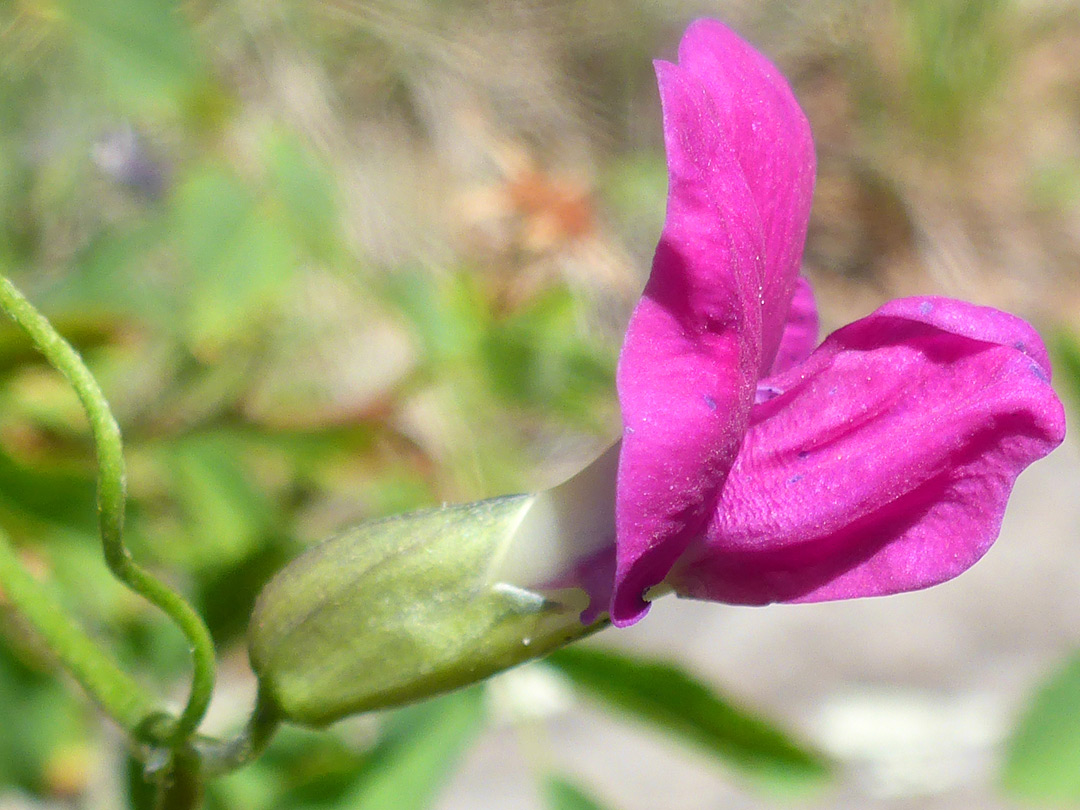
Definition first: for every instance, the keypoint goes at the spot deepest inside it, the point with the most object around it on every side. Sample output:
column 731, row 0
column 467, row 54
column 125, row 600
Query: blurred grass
column 339, row 259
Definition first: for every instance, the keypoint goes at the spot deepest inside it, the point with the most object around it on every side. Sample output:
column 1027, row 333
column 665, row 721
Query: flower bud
column 399, row 609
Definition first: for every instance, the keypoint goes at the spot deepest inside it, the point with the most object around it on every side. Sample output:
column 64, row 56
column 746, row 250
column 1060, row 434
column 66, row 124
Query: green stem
column 109, row 686
column 111, row 499
column 221, row 757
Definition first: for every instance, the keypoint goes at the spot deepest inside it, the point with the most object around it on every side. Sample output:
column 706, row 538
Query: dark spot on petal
column 804, row 453
column 1020, row 346
column 1040, row 372
column 925, row 308
column 711, row 403
column 765, row 393
column 795, row 478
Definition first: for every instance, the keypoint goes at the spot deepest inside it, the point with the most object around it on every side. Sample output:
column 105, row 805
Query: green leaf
column 239, row 259
column 114, row 276
column 1042, row 759
column 538, row 358
column 447, row 313
column 420, row 753
column 225, row 516
column 144, row 47
column 52, row 496
column 1066, row 352
column 560, row 794
column 47, row 715
column 664, row 695
column 307, row 194
column 301, row 768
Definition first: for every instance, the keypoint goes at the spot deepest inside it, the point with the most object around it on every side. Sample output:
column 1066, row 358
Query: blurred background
column 337, row 259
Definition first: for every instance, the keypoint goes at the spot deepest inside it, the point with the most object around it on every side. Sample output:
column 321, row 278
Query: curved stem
column 111, row 500
column 220, row 757
column 118, row 694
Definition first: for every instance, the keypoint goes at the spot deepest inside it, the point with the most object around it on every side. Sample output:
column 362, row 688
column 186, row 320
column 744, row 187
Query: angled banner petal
column 741, row 169
column 760, row 119
column 688, row 367
column 884, row 463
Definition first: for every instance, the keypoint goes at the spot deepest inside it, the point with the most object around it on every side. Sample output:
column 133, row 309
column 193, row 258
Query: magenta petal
column 800, row 336
column 741, row 168
column 762, row 122
column 886, row 463
column 688, row 367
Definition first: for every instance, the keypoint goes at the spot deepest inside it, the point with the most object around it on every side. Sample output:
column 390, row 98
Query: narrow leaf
column 666, row 696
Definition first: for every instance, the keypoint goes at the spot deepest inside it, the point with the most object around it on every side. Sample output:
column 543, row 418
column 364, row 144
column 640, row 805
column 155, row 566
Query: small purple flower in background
column 755, row 468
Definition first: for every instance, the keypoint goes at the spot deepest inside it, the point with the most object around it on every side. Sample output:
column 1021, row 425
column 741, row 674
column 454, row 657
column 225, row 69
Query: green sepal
column 400, row 609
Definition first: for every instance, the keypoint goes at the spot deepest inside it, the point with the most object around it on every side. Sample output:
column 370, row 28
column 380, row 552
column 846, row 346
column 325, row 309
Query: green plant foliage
column 1066, row 351
column 238, row 260
column 212, row 479
column 536, row 358
column 419, row 753
column 665, row 696
column 956, row 55
column 560, row 794
column 145, row 49
column 1043, row 754
column 403, row 768
column 307, row 194
column 300, row 769
column 47, row 494
column 50, row 719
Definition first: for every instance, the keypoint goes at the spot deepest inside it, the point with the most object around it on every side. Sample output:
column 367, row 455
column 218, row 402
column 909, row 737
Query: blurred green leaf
column 447, row 313
column 51, row 496
column 667, row 697
column 1042, row 760
column 311, row 770
column 302, row 768
column 560, row 794
column 238, row 258
column 42, row 718
column 634, row 187
column 536, row 357
column 420, row 753
column 114, row 276
column 144, row 47
column 224, row 514
column 307, row 193
column 1066, row 351
column 956, row 54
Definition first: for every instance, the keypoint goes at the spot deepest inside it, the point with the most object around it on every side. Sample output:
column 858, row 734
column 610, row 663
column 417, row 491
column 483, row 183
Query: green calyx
column 403, row 608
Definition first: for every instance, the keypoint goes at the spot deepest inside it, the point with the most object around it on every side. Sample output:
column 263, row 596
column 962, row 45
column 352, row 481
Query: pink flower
column 755, row 468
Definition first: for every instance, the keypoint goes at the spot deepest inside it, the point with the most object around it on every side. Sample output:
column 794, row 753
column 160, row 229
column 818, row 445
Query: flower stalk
column 112, row 493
